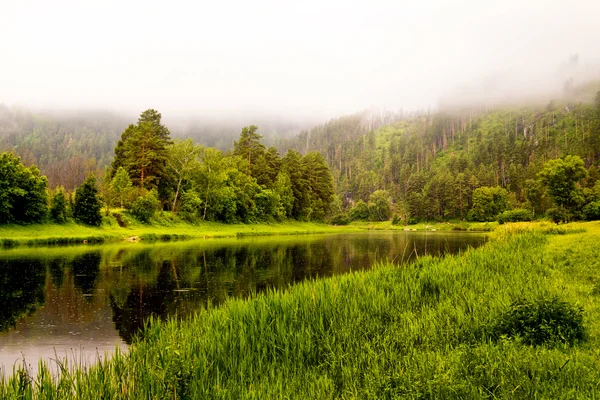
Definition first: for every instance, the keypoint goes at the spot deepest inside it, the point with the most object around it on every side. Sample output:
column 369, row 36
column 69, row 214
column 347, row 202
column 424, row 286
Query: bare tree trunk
column 176, row 193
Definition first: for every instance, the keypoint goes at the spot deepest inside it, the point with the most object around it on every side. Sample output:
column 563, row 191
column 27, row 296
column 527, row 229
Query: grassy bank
column 439, row 328
column 170, row 228
column 167, row 226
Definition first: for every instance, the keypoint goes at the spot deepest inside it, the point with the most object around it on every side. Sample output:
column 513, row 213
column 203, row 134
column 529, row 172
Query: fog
column 298, row 61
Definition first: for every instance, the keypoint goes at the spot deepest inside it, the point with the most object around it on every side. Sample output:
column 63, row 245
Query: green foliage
column 561, row 177
column 142, row 150
column 557, row 215
column 58, row 209
column 319, row 184
column 488, row 202
column 191, row 205
column 23, row 195
column 420, row 331
column 267, row 202
column 86, row 208
column 534, row 193
column 379, row 206
column 283, row 188
column 144, row 207
column 591, row 211
column 249, row 147
column 515, row 215
column 294, row 168
column 340, row 219
column 182, row 162
column 542, row 322
column 120, row 186
column 360, row 211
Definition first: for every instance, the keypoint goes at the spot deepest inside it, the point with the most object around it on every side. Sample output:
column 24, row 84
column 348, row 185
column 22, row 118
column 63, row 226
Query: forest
column 467, row 163
column 151, row 172
column 478, row 163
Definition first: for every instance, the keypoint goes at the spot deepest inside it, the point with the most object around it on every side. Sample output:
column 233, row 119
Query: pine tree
column 86, row 208
column 142, row 150
column 249, row 146
column 58, row 210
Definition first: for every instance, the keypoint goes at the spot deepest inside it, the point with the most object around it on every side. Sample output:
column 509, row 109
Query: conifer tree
column 58, row 210
column 86, row 208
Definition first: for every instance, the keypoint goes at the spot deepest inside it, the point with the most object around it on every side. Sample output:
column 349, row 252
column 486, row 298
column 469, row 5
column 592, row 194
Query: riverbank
column 72, row 233
column 439, row 328
column 167, row 226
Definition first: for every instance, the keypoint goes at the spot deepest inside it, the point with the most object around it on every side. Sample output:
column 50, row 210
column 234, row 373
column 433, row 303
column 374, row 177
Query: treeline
column 68, row 146
column 431, row 166
column 65, row 147
column 151, row 172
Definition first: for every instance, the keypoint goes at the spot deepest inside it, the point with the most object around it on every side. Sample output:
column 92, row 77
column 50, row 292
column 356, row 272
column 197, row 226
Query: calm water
column 82, row 301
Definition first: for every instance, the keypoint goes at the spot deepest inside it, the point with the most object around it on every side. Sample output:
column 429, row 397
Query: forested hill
column 430, row 164
column 67, row 146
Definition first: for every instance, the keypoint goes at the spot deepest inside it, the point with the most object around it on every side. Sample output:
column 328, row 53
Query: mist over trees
column 475, row 163
column 68, row 146
column 444, row 165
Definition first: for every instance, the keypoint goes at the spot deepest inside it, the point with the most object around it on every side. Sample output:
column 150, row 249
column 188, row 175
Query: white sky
column 306, row 57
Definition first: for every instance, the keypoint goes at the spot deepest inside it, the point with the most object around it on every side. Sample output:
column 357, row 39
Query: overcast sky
column 306, row 57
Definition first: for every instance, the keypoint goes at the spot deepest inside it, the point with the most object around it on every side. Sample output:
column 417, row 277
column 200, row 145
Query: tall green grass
column 428, row 330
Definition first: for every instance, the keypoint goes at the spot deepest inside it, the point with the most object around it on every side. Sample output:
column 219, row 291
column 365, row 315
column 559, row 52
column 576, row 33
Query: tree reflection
column 21, row 289
column 86, row 269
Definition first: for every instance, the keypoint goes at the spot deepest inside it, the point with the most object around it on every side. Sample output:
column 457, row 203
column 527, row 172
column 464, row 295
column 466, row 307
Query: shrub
column 144, row 207
column 591, row 211
column 539, row 322
column 190, row 205
column 557, row 215
column 360, row 211
column 516, row 215
column 487, row 203
column 340, row 219
column 379, row 206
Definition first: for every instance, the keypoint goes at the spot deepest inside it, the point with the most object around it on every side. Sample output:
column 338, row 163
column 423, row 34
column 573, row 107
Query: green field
column 438, row 328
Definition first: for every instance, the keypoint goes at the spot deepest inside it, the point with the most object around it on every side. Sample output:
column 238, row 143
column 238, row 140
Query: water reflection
column 91, row 298
column 21, row 290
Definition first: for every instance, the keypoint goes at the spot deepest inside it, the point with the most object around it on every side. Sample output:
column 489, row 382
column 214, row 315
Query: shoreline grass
column 72, row 233
column 168, row 227
column 425, row 330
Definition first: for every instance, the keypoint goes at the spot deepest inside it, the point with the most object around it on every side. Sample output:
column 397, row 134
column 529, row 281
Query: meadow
column 517, row 318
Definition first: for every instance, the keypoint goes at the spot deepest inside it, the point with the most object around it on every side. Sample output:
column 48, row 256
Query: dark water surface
column 82, row 301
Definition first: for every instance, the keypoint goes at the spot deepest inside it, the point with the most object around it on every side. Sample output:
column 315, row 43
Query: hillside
column 431, row 163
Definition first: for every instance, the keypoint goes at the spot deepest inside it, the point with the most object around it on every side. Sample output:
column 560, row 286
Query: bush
column 190, row 206
column 591, row 212
column 379, row 206
column 340, row 219
column 360, row 211
column 516, row 215
column 557, row 215
column 144, row 207
column 487, row 203
column 542, row 322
